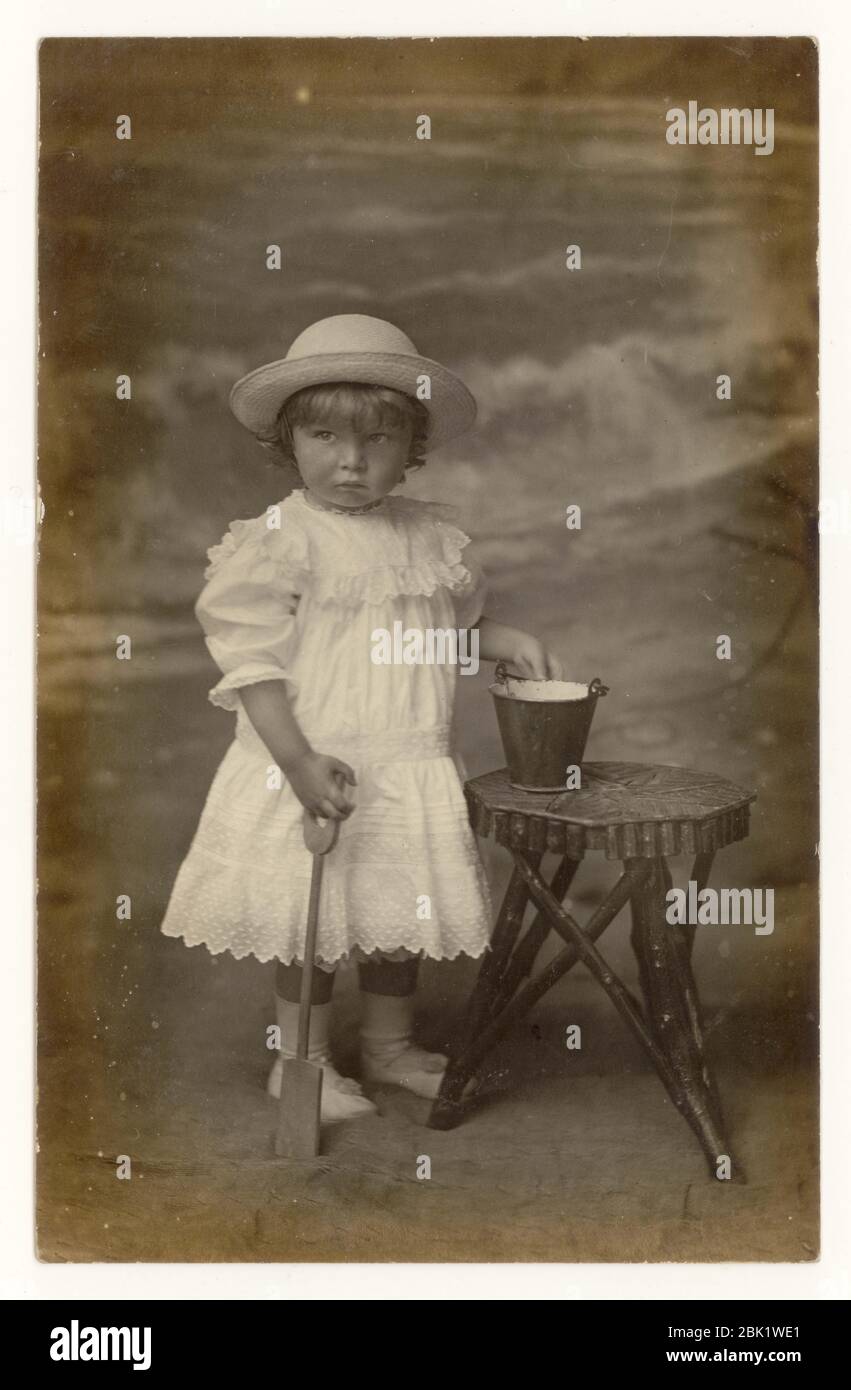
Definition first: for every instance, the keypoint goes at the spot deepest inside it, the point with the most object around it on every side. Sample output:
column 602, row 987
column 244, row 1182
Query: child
column 292, row 601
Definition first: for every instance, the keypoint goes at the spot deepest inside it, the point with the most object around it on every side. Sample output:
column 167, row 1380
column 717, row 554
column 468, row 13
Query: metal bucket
column 541, row 738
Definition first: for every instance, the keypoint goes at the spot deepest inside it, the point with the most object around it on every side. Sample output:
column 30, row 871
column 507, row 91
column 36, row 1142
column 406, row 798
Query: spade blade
column 298, row 1114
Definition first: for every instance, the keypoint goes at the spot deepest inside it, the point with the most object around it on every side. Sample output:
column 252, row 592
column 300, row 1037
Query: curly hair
column 366, row 406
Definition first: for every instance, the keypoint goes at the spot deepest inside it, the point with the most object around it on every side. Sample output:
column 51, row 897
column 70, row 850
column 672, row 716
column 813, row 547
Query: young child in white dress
column 293, row 603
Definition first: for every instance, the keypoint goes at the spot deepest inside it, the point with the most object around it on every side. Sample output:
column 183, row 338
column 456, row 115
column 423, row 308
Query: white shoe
column 342, row 1097
column 412, row 1067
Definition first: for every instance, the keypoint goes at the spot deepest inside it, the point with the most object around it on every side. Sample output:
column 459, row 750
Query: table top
column 629, row 810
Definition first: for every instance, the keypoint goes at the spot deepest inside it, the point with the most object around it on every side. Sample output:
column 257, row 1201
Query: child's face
column 345, row 467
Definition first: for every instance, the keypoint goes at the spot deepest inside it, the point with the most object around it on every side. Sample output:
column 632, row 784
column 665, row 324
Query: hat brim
column 256, row 399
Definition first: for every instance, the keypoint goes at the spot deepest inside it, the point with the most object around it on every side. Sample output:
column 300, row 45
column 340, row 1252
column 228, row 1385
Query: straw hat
column 353, row 347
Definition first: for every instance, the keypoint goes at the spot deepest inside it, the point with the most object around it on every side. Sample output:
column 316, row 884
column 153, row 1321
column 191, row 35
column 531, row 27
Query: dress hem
column 352, row 957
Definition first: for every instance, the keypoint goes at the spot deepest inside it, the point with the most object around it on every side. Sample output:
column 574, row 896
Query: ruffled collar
column 420, row 548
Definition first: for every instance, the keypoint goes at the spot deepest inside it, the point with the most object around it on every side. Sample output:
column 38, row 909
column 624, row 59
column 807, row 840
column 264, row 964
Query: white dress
column 299, row 602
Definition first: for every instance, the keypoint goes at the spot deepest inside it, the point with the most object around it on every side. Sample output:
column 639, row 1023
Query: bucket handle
column 597, row 687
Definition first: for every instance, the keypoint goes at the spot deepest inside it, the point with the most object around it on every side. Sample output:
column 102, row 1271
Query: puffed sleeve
column 461, row 567
column 247, row 610
column 470, row 600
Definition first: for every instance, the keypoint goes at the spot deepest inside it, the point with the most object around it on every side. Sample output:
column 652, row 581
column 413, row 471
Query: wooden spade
column 301, row 1081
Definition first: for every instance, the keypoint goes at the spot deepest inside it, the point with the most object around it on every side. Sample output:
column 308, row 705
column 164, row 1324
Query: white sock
column 342, row 1098
column 319, row 1043
column 387, row 1051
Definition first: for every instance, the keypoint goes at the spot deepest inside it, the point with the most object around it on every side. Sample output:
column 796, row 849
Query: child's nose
column 352, row 455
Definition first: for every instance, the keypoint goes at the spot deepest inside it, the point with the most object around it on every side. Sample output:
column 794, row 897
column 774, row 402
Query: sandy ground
column 154, row 1051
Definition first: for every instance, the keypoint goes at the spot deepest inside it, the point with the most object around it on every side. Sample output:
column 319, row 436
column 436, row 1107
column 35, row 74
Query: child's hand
column 317, row 780
column 531, row 658
column 518, row 649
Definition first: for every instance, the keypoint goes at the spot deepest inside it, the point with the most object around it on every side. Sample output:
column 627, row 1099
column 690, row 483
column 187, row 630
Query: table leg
column 700, row 871
column 447, row 1109
column 524, row 956
column 673, row 1013
column 665, row 1034
column 505, row 933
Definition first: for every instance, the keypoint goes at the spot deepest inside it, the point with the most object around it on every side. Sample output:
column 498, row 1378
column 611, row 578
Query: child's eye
column 378, row 435
column 323, row 434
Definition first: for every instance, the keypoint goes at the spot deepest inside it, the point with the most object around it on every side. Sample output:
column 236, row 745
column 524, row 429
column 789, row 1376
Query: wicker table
column 638, row 814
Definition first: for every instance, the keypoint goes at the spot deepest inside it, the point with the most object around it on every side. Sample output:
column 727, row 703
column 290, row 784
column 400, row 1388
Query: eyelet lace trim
column 440, row 563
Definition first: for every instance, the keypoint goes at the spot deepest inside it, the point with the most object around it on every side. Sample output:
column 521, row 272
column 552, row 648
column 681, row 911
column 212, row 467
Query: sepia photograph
column 428, row 650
